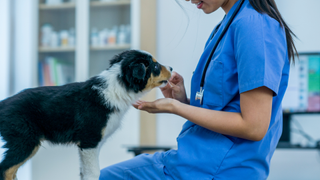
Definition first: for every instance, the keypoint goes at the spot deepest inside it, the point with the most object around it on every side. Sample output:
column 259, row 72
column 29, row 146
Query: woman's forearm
column 227, row 123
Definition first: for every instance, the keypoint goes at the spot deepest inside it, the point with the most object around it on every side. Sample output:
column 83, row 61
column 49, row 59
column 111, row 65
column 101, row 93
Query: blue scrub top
column 252, row 53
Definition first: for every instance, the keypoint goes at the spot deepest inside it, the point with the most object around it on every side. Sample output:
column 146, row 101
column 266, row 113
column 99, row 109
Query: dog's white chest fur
column 117, row 96
column 112, row 125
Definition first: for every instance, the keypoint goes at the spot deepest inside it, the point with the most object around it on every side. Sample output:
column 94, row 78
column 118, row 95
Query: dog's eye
column 156, row 66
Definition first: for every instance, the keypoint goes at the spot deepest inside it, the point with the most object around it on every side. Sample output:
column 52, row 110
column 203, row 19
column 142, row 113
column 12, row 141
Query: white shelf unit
column 60, row 17
column 111, row 3
column 61, row 162
column 83, row 15
column 107, row 15
column 66, row 5
column 110, row 47
column 56, row 49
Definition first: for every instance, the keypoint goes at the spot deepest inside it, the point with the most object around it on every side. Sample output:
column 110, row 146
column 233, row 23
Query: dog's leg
column 89, row 164
column 14, row 158
column 15, row 175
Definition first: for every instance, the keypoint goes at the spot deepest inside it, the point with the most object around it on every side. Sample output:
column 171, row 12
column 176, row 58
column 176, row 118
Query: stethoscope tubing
column 217, row 43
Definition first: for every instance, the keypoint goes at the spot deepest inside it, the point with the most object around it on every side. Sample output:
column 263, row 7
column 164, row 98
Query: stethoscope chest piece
column 199, row 95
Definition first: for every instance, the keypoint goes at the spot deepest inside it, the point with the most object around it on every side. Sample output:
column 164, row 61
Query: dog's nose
column 170, row 68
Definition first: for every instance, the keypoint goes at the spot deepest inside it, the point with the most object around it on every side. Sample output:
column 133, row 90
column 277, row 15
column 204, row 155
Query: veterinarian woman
column 235, row 118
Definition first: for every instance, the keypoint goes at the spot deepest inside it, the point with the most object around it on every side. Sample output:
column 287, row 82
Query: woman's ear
column 138, row 70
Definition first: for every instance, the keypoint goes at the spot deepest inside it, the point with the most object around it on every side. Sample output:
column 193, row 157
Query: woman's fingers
column 173, row 74
column 175, row 88
column 146, row 106
column 176, row 78
column 138, row 103
column 166, row 87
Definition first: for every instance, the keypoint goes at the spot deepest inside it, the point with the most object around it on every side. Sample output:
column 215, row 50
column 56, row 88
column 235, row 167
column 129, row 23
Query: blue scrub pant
column 144, row 166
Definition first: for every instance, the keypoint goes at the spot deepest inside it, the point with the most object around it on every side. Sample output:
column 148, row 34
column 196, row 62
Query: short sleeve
column 260, row 52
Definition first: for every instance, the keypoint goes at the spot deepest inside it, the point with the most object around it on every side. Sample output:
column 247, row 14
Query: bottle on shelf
column 112, row 38
column 103, row 37
column 122, row 35
column 72, row 37
column 94, row 37
column 54, row 39
column 64, row 36
column 53, row 2
column 128, row 34
column 115, row 36
column 46, row 31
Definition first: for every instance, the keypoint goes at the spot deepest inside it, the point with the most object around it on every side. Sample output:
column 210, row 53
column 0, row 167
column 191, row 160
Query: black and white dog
column 84, row 113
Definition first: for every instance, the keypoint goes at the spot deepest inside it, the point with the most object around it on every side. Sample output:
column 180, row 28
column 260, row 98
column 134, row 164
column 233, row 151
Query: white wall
column 4, row 48
column 183, row 51
column 180, row 46
column 4, row 54
column 23, row 55
column 303, row 19
column 25, row 43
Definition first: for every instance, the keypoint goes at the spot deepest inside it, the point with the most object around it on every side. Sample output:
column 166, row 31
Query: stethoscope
column 199, row 94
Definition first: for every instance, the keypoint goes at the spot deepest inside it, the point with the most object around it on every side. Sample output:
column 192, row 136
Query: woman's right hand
column 175, row 88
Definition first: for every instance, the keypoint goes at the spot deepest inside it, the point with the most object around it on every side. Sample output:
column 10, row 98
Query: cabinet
column 84, row 60
column 77, row 38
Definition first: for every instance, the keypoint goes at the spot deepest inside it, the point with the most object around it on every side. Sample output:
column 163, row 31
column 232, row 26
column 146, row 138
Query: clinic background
column 179, row 41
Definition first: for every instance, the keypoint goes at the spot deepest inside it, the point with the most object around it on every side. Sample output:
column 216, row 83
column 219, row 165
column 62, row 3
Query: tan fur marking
column 155, row 81
column 102, row 132
column 165, row 73
column 154, row 60
column 11, row 173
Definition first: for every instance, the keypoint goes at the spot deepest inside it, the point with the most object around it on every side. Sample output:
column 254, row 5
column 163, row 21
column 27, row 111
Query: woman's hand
column 165, row 105
column 175, row 88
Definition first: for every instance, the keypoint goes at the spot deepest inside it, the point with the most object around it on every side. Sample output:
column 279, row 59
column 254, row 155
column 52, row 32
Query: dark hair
column 269, row 7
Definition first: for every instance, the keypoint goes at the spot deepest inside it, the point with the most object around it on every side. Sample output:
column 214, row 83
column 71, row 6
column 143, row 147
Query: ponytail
column 269, row 7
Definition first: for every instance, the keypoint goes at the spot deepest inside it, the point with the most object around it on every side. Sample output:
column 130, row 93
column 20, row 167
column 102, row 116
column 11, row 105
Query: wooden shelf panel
column 93, row 48
column 111, row 3
column 110, row 47
column 57, row 6
column 57, row 49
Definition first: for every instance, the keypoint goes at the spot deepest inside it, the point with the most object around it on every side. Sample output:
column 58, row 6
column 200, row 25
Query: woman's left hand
column 165, row 105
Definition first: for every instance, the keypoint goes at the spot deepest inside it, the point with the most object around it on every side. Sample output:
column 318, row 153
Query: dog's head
column 140, row 71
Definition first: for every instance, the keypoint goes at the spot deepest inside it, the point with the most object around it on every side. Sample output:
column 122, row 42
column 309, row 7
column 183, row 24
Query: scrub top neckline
column 228, row 16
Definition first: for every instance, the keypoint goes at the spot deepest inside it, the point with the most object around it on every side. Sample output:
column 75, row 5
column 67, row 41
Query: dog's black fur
column 73, row 113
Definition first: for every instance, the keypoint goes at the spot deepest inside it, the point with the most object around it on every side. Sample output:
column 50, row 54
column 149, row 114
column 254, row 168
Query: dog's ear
column 138, row 70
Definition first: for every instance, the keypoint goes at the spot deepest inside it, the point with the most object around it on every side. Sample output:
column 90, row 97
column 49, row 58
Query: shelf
column 56, row 50
column 114, row 3
column 110, row 47
column 287, row 145
column 300, row 113
column 57, row 6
